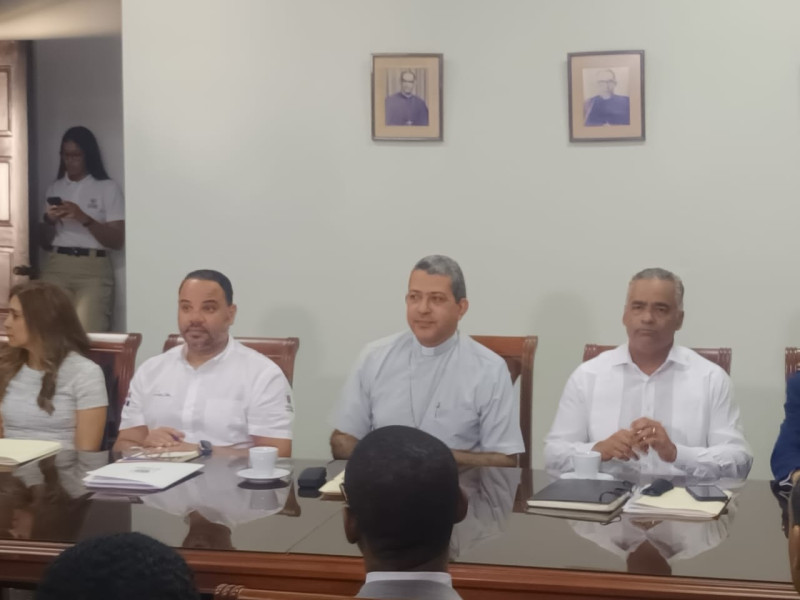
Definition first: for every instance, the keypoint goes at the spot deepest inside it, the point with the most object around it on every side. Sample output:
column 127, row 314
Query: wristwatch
column 205, row 448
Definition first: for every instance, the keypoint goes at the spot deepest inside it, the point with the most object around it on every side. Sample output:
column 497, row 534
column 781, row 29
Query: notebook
column 676, row 503
column 140, row 475
column 594, row 495
column 332, row 489
column 16, row 452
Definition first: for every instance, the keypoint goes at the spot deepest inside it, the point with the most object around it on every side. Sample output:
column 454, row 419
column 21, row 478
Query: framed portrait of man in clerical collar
column 407, row 97
column 606, row 96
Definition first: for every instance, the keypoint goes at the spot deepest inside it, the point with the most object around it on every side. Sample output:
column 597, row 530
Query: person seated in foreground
column 49, row 389
column 433, row 378
column 402, row 500
column 211, row 389
column 785, row 460
column 650, row 404
column 121, row 566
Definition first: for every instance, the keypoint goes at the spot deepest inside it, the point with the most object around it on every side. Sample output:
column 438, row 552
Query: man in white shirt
column 210, row 389
column 650, row 405
column 433, row 378
column 402, row 500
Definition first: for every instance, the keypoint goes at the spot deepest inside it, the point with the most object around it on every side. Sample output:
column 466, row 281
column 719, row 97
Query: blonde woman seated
column 49, row 390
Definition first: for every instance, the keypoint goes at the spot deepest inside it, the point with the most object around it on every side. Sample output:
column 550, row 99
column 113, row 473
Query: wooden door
column 14, row 250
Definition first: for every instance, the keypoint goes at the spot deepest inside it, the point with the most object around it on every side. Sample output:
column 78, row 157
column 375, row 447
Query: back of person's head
column 403, row 497
column 85, row 140
column 52, row 322
column 212, row 275
column 121, row 566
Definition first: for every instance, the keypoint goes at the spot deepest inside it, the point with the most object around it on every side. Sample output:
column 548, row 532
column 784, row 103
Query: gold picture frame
column 407, row 97
column 606, row 96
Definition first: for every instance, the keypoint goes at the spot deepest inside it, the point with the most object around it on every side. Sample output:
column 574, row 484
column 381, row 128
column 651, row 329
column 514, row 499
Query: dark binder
column 596, row 495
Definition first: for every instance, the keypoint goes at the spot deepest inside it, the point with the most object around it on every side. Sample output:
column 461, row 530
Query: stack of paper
column 16, row 452
column 676, row 503
column 144, row 476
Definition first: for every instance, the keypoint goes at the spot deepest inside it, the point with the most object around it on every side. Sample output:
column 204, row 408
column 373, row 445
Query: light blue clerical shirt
column 459, row 391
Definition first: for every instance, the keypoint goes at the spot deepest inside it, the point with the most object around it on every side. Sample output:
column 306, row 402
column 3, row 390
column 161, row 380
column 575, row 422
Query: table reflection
column 490, row 492
column 216, row 501
column 649, row 545
column 45, row 500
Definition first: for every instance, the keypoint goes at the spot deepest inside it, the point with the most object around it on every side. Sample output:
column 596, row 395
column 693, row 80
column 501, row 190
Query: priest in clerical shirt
column 433, row 378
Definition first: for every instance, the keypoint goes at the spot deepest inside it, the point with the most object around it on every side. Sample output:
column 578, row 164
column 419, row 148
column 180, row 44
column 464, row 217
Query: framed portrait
column 407, row 97
column 606, row 96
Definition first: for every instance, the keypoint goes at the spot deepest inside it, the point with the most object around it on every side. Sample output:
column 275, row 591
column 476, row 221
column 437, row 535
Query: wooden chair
column 280, row 350
column 116, row 355
column 518, row 353
column 720, row 356
column 226, row 591
column 792, row 361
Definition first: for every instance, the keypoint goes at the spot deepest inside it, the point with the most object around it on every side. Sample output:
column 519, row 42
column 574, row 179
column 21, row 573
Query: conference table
column 278, row 537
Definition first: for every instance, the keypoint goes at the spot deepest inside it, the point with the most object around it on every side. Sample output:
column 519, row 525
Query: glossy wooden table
column 275, row 539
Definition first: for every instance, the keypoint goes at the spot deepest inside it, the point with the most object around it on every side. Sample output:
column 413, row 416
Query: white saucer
column 601, row 476
column 258, row 476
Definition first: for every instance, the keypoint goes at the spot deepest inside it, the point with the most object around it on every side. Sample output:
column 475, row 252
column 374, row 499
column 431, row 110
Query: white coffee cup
column 262, row 459
column 586, row 464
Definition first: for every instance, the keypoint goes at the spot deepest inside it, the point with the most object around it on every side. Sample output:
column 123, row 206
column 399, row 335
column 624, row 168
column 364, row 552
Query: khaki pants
column 90, row 282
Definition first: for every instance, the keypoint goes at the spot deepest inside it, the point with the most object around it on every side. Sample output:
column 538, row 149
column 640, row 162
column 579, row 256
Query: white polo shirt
column 101, row 200
column 237, row 394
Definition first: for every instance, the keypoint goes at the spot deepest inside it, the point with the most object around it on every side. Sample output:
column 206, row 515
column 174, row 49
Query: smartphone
column 54, row 201
column 706, row 493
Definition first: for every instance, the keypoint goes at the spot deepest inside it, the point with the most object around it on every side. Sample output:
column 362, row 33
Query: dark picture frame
column 606, row 96
column 407, row 97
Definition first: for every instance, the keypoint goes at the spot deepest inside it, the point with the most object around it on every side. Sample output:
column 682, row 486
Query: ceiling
column 47, row 19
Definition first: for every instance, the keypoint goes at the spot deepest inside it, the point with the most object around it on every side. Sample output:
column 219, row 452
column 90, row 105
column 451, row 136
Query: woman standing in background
column 85, row 216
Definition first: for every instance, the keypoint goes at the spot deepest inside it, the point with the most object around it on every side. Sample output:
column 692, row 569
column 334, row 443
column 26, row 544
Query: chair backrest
column 280, row 350
column 792, row 360
column 225, row 591
column 116, row 355
column 720, row 356
column 518, row 352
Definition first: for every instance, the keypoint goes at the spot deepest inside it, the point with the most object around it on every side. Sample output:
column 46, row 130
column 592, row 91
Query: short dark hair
column 123, row 566
column 212, row 275
column 402, row 489
column 439, row 264
column 85, row 140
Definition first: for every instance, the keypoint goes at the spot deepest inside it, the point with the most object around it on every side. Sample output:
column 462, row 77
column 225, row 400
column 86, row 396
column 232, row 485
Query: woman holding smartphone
column 49, row 389
column 85, row 217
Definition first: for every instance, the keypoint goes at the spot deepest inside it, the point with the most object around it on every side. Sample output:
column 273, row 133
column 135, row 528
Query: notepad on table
column 140, row 475
column 595, row 495
column 167, row 456
column 676, row 503
column 16, row 452
column 333, row 489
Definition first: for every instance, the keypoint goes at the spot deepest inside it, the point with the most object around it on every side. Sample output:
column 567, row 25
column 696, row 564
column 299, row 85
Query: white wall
column 79, row 82
column 247, row 148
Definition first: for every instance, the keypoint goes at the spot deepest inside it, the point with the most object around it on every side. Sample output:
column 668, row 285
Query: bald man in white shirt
column 650, row 405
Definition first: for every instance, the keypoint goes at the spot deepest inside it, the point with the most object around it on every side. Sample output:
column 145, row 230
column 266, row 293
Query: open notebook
column 332, row 490
column 676, row 504
column 16, row 452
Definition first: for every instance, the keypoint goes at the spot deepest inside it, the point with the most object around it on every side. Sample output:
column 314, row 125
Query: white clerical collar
column 445, row 346
column 437, row 576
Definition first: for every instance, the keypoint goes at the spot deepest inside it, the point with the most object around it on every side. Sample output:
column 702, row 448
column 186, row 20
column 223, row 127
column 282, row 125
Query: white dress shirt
column 237, row 394
column 689, row 395
column 459, row 392
column 100, row 199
